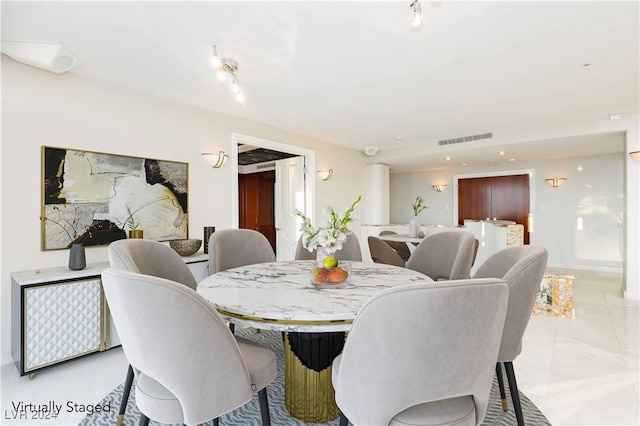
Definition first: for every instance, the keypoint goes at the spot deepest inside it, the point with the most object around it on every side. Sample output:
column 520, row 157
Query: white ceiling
column 354, row 74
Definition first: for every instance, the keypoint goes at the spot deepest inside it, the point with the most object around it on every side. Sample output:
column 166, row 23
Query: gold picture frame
column 93, row 197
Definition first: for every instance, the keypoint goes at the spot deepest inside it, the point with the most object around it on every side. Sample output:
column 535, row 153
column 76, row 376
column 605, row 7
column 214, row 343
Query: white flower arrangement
column 332, row 234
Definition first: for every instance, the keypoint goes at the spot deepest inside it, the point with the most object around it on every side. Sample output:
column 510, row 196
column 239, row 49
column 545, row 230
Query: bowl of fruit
column 331, row 273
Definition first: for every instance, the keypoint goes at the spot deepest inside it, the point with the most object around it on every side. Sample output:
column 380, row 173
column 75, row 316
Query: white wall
column 41, row 108
column 593, row 196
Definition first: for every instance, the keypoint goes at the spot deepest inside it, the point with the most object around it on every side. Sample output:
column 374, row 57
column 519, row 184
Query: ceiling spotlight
column 227, row 67
column 416, row 14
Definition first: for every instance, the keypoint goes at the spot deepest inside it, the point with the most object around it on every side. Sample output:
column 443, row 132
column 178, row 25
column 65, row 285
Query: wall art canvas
column 95, row 198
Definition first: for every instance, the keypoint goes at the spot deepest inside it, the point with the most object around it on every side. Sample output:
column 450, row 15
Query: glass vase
column 329, row 272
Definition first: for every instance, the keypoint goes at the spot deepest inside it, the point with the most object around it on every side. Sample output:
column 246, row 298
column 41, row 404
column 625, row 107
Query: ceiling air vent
column 265, row 165
column 465, row 139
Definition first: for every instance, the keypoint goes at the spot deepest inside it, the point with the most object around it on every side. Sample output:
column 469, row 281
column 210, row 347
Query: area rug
column 249, row 414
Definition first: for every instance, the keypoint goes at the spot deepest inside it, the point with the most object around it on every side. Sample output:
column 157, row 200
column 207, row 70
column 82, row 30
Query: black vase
column 208, row 230
column 77, row 259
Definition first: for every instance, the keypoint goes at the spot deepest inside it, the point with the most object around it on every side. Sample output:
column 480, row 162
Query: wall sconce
column 438, row 188
column 215, row 160
column 325, row 174
column 555, row 181
column 635, row 156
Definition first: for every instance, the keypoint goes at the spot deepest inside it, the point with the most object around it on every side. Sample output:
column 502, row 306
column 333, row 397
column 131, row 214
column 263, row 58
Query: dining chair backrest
column 231, row 248
column 444, row 256
column 350, row 250
column 174, row 337
column 401, row 248
column 476, row 246
column 522, row 268
column 150, row 258
column 381, row 252
column 415, row 350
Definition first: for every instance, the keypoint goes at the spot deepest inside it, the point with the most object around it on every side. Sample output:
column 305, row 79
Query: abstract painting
column 94, row 198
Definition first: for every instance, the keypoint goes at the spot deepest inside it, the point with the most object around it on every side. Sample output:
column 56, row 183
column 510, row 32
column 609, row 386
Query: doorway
column 256, row 203
column 301, row 190
column 505, row 196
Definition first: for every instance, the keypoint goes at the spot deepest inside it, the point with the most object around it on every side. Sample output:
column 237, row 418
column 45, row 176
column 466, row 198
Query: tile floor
column 578, row 371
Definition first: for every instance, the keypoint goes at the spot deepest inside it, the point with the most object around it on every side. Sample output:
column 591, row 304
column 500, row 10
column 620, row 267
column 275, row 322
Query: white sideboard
column 58, row 314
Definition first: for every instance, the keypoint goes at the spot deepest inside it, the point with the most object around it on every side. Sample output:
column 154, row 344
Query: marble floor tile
column 584, row 397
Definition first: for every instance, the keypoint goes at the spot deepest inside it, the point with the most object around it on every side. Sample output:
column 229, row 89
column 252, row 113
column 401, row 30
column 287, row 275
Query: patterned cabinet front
column 61, row 321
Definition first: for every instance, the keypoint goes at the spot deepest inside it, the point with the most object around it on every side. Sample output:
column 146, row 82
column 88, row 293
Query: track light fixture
column 227, row 67
column 416, row 14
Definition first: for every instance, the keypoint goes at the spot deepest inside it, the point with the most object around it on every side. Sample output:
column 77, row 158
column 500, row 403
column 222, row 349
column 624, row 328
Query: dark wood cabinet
column 496, row 197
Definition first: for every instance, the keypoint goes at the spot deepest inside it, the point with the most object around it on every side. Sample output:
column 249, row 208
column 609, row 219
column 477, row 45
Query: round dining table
column 280, row 296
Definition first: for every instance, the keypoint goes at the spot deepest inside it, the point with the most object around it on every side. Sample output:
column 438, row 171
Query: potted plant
column 134, row 232
column 417, row 206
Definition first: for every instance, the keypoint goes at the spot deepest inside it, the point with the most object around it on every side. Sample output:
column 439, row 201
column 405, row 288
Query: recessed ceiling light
column 448, row 158
column 501, row 152
column 398, row 138
column 613, row 117
column 464, row 164
column 512, row 159
column 492, row 163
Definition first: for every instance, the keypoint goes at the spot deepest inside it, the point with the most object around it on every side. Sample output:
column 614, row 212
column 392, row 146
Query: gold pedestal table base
column 309, row 394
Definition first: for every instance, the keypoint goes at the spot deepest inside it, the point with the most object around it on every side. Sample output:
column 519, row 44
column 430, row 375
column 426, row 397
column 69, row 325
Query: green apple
column 330, row 262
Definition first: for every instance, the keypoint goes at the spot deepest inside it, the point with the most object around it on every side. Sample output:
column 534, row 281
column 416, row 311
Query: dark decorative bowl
column 186, row 247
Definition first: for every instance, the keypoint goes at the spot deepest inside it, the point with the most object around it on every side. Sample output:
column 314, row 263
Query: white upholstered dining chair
column 422, row 354
column 381, row 252
column 150, row 258
column 401, row 248
column 444, row 255
column 522, row 268
column 190, row 368
column 231, row 248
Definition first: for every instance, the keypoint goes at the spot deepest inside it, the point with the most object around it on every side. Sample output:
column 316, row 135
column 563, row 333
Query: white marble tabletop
column 280, row 296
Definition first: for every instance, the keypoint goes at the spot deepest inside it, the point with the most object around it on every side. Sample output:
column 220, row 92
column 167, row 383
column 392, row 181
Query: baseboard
column 631, row 295
column 593, row 268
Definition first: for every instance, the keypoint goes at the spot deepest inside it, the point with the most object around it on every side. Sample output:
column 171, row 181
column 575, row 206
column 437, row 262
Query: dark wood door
column 496, row 197
column 256, row 203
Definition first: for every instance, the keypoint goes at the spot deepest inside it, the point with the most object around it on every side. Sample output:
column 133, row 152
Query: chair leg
column 232, row 327
column 343, row 420
column 144, row 420
column 503, row 396
column 125, row 396
column 264, row 407
column 216, row 421
column 515, row 396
